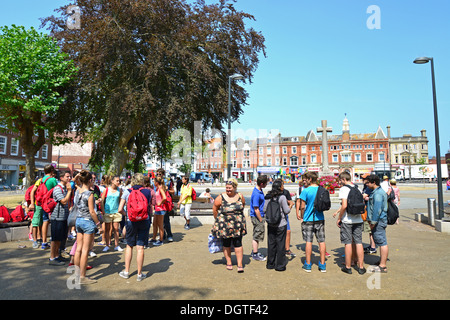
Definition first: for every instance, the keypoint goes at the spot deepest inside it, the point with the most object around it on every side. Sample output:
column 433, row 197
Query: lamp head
column 422, row 60
column 237, row 76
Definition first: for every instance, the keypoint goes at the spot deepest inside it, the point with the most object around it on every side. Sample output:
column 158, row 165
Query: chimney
column 424, row 133
column 388, row 132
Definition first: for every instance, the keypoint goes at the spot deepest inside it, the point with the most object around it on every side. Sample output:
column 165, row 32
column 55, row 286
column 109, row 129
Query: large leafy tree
column 33, row 76
column 148, row 67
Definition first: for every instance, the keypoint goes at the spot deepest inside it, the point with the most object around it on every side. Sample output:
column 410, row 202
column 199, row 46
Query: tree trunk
column 121, row 152
column 30, row 171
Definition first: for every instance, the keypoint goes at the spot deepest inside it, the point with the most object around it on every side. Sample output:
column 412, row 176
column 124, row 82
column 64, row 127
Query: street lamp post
column 235, row 76
column 423, row 60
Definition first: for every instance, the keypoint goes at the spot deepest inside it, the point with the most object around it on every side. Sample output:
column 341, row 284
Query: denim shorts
column 379, row 234
column 85, row 226
column 160, row 213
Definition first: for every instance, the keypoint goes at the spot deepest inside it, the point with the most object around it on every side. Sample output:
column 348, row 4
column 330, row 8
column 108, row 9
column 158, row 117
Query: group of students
column 106, row 210
column 313, row 223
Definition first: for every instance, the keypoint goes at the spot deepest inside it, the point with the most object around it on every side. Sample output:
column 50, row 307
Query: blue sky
column 323, row 62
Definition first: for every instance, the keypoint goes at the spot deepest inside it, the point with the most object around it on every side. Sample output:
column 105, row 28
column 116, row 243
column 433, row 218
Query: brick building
column 72, row 156
column 12, row 159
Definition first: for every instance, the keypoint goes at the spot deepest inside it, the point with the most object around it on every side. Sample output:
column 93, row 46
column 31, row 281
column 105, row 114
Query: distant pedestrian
column 313, row 222
column 257, row 217
column 276, row 234
column 86, row 224
column 136, row 231
column 230, row 224
column 185, row 201
column 377, row 216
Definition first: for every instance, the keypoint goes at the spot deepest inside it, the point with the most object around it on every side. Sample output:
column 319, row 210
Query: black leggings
column 237, row 242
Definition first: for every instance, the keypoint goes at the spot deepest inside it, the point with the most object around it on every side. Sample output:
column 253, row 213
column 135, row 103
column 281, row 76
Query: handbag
column 215, row 245
column 72, row 216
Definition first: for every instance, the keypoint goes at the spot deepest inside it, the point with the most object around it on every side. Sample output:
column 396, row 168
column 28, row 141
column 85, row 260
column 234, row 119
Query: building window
column 294, row 150
column 303, row 160
column 335, row 158
column 381, row 156
column 269, row 150
column 261, row 161
column 313, row 158
column 44, row 151
column 294, row 161
column 284, row 150
column 285, row 161
column 357, row 157
column 277, row 161
column 277, row 150
column 269, row 161
column 303, row 149
column 369, row 157
column 260, row 150
column 346, row 158
column 3, row 141
column 14, row 147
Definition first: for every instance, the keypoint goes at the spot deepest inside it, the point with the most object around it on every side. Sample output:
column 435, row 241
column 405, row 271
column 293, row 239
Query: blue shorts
column 137, row 233
column 379, row 234
column 85, row 226
column 45, row 216
column 160, row 213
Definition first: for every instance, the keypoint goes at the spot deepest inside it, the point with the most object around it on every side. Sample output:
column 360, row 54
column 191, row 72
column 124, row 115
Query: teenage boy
column 185, row 201
column 351, row 228
column 377, row 217
column 313, row 222
column 257, row 216
column 61, row 194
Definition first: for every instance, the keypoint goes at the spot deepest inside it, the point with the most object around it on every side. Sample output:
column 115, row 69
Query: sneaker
column 118, row 248
column 186, row 227
column 45, row 246
column 346, row 270
column 35, row 245
column 307, row 267
column 30, row 237
column 290, row 254
column 105, row 249
column 141, row 277
column 158, row 243
column 370, row 250
column 360, row 270
column 92, row 254
column 124, row 274
column 258, row 257
column 322, row 267
column 169, row 239
column 55, row 262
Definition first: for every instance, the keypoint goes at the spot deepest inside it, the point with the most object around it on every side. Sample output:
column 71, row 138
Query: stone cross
column 324, row 129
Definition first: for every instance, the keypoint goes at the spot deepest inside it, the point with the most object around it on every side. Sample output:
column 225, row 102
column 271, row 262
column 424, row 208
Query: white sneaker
column 141, row 277
column 105, row 249
column 124, row 274
column 92, row 254
column 118, row 248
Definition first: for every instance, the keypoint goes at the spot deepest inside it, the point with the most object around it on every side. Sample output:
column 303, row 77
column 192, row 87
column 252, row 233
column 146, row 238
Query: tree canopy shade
column 150, row 67
column 33, row 75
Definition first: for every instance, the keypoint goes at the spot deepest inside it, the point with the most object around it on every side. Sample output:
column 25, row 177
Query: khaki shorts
column 112, row 217
column 258, row 229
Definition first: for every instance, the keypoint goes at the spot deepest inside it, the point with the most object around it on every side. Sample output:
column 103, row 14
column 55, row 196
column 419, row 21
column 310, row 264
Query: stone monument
column 324, row 130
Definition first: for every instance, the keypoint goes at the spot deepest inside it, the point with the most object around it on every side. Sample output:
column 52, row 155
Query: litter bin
column 431, row 210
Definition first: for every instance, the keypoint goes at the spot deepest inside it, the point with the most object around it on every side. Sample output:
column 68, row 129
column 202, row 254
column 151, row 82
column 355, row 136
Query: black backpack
column 392, row 212
column 355, row 201
column 322, row 201
column 273, row 212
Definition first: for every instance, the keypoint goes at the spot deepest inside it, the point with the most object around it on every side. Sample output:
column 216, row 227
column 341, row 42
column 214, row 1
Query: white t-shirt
column 349, row 218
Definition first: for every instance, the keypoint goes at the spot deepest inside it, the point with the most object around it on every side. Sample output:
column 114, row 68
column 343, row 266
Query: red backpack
column 4, row 213
column 169, row 203
column 40, row 192
column 137, row 206
column 48, row 203
column 28, row 194
column 194, row 194
column 18, row 215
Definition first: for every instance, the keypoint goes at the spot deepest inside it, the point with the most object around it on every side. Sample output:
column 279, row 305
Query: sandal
column 380, row 269
column 229, row 267
column 240, row 269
